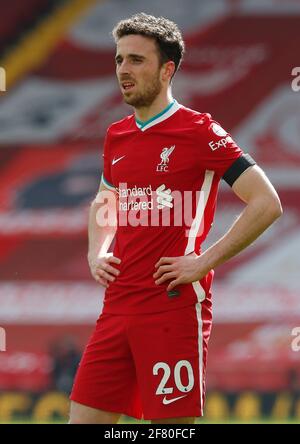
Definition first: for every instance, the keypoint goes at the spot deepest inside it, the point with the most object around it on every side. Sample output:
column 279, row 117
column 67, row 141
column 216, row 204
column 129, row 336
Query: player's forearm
column 101, row 232
column 257, row 216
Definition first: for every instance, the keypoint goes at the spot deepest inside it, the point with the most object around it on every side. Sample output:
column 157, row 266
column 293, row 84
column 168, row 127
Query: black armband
column 237, row 168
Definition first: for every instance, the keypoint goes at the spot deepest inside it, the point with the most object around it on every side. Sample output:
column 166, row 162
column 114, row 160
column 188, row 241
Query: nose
column 123, row 68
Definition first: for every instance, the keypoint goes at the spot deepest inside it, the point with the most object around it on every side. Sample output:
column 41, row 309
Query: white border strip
column 200, row 352
column 107, row 184
column 199, row 290
column 201, row 205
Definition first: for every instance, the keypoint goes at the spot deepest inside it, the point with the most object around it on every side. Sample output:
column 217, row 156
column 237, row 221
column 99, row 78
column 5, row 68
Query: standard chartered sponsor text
column 146, row 206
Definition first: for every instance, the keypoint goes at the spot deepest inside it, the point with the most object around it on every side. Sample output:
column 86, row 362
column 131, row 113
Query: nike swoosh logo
column 117, row 160
column 168, row 401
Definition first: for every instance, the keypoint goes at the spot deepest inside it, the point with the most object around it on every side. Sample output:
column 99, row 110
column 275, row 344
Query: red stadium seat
column 16, row 16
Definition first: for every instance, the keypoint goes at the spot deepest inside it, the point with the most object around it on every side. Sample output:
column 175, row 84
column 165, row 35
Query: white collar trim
column 160, row 118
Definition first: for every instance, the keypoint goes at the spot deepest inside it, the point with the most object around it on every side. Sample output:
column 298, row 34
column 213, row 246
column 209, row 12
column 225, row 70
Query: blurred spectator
column 294, row 381
column 65, row 359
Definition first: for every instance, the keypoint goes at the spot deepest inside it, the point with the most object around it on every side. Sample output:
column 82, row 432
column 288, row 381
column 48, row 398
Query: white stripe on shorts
column 200, row 352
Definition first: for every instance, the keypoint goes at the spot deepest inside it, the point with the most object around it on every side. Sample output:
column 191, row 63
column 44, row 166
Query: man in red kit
column 162, row 166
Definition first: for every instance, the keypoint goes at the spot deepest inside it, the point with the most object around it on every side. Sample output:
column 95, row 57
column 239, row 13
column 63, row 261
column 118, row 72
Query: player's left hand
column 182, row 270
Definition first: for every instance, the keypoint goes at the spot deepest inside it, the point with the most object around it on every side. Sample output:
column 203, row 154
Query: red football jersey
column 166, row 173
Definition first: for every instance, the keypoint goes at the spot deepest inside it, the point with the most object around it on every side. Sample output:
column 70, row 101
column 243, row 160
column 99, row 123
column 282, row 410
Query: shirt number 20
column 162, row 389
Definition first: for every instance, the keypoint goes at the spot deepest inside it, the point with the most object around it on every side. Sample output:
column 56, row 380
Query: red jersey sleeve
column 106, row 176
column 217, row 150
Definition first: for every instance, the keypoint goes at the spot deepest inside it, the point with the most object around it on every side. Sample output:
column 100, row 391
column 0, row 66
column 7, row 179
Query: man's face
column 138, row 70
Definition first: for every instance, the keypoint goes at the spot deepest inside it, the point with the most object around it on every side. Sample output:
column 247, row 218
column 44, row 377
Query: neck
column 156, row 107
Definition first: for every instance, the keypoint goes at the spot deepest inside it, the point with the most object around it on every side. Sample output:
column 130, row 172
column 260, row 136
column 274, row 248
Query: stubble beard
column 146, row 98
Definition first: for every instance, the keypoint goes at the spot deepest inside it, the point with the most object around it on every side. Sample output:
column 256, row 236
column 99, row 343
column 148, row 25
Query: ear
column 168, row 70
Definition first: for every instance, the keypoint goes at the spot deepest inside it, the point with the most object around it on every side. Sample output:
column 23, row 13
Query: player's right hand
column 102, row 269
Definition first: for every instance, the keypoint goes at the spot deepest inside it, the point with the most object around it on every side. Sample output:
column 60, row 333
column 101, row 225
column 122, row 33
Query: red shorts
column 150, row 365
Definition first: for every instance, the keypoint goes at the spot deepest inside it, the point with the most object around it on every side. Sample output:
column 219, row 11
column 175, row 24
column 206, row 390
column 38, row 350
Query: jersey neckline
column 160, row 117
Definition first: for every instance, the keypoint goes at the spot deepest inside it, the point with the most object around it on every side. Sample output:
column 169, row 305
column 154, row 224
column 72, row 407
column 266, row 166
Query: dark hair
column 165, row 32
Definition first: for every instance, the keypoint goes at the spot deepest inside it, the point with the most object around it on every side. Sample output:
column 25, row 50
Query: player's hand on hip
column 178, row 270
column 102, row 268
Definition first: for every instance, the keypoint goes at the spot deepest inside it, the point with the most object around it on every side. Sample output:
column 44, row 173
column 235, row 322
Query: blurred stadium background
column 60, row 96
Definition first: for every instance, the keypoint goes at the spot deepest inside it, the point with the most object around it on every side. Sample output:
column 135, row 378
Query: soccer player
column 147, row 355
